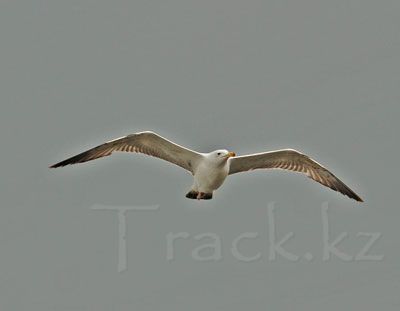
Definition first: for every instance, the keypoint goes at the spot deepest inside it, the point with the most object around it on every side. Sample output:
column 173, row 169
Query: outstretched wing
column 144, row 142
column 292, row 160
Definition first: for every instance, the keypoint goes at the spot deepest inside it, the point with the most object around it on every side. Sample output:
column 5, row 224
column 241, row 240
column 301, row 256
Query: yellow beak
column 231, row 154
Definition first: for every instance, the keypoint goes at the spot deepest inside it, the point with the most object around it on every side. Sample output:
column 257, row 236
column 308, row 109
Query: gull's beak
column 231, row 154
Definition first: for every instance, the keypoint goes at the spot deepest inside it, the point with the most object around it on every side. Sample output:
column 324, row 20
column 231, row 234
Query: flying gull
column 211, row 169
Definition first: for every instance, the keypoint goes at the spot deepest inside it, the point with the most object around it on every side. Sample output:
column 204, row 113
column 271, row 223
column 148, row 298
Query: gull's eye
column 219, row 153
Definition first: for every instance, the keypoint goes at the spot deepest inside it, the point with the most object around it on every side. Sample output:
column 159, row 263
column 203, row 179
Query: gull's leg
column 200, row 195
column 207, row 196
column 194, row 191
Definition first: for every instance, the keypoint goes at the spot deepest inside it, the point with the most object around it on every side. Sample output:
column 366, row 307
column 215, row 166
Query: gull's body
column 210, row 170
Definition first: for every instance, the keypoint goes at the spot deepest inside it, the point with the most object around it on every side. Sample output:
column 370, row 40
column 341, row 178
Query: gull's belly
column 209, row 179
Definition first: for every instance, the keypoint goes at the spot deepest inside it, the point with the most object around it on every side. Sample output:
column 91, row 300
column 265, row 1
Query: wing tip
column 352, row 195
column 74, row 160
column 59, row 164
column 358, row 199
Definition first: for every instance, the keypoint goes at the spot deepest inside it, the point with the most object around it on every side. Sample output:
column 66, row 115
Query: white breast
column 209, row 177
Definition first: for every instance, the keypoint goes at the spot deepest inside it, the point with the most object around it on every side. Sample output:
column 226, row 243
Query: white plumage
column 210, row 170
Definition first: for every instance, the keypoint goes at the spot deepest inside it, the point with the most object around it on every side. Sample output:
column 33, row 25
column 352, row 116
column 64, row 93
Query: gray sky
column 319, row 76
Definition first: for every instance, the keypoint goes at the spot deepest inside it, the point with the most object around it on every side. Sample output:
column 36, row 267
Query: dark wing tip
column 331, row 181
column 341, row 187
column 63, row 163
column 82, row 157
column 350, row 193
column 59, row 164
column 358, row 199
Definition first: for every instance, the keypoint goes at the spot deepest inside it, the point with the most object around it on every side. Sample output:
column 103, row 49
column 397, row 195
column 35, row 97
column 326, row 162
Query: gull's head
column 221, row 155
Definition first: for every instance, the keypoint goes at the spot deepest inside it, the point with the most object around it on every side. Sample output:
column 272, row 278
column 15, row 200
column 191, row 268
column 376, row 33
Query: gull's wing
column 144, row 142
column 292, row 160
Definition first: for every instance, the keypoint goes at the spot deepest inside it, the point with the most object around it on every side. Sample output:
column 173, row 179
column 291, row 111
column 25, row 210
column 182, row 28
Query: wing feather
column 148, row 143
column 289, row 159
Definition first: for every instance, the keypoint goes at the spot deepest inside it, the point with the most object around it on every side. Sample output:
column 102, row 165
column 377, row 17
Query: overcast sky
column 322, row 77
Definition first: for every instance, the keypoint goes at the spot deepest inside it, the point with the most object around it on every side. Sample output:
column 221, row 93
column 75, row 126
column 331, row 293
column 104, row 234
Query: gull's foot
column 207, row 196
column 192, row 194
column 204, row 196
column 199, row 195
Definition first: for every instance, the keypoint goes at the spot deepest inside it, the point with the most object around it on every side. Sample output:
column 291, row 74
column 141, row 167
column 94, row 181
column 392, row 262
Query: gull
column 210, row 170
